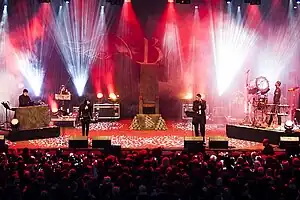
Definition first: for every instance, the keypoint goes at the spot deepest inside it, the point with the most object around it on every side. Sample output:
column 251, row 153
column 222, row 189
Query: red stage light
column 99, row 95
column 113, row 96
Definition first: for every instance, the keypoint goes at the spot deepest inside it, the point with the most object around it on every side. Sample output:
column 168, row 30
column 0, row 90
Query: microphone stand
column 247, row 119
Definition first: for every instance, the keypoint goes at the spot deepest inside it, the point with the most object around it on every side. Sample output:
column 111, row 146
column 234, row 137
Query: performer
column 63, row 90
column 199, row 106
column 85, row 115
column 24, row 99
column 276, row 101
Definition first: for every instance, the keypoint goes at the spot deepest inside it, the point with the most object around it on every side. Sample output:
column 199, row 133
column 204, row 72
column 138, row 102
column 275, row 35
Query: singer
column 199, row 107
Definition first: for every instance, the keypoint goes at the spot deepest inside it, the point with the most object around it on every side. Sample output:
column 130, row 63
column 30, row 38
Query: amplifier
column 106, row 111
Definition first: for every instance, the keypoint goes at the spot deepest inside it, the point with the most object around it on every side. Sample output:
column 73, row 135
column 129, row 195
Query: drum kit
column 259, row 110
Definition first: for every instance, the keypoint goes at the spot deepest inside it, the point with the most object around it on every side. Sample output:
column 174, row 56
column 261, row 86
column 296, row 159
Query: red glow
column 52, row 103
column 253, row 16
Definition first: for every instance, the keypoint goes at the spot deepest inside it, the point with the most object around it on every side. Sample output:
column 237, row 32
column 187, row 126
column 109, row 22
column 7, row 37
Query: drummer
column 276, row 102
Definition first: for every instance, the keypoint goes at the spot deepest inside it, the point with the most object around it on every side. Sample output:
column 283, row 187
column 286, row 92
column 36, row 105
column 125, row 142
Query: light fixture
column 113, row 96
column 298, row 1
column 228, row 1
column 99, row 95
column 289, row 125
column 196, row 7
column 14, row 123
column 188, row 96
column 183, row 1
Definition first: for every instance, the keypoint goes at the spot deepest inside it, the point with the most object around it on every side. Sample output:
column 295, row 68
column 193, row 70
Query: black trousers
column 202, row 129
column 85, row 123
column 275, row 109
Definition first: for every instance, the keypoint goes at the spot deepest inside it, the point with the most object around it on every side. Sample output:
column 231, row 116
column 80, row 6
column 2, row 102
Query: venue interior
column 141, row 64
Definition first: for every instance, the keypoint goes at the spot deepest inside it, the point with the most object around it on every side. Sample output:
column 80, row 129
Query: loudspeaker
column 194, row 144
column 101, row 142
column 78, row 142
column 3, row 146
column 289, row 142
column 218, row 142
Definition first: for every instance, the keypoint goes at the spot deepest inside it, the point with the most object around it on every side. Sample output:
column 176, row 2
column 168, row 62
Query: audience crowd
column 145, row 174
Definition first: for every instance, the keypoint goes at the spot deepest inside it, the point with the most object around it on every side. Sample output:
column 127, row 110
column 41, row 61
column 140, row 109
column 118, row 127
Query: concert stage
column 120, row 134
column 254, row 134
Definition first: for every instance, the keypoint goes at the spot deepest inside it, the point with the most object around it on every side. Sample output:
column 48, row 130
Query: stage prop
column 106, row 111
column 78, row 142
column 148, row 122
column 148, row 117
column 33, row 117
column 33, row 134
column 218, row 142
column 194, row 144
column 255, row 134
column 148, row 99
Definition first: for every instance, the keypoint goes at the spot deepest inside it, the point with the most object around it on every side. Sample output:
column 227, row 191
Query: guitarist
column 199, row 107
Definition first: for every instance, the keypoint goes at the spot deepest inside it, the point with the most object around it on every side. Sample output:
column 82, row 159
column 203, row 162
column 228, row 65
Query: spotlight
column 196, row 7
column 14, row 123
column 99, row 95
column 298, row 1
column 188, row 96
column 67, row 1
column 127, row 1
column 183, row 1
column 113, row 96
column 45, row 1
column 170, row 1
column 228, row 1
column 54, row 110
column 295, row 7
column 289, row 125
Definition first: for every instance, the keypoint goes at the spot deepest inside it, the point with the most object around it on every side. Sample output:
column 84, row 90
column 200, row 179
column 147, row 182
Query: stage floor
column 120, row 134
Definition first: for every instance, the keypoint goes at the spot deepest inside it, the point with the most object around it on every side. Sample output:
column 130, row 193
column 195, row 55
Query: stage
column 173, row 138
column 254, row 134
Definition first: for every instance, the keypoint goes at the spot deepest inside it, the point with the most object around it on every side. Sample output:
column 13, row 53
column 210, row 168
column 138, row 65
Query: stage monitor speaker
column 101, row 142
column 194, row 144
column 289, row 142
column 3, row 147
column 218, row 142
column 78, row 142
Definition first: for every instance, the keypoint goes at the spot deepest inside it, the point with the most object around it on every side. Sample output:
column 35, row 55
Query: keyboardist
column 24, row 99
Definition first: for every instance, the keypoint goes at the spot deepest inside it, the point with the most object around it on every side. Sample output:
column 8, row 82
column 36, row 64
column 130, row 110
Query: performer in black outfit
column 24, row 99
column 276, row 101
column 85, row 115
column 199, row 106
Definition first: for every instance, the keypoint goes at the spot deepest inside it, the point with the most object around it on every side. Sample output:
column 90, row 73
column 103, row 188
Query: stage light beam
column 79, row 37
column 232, row 42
